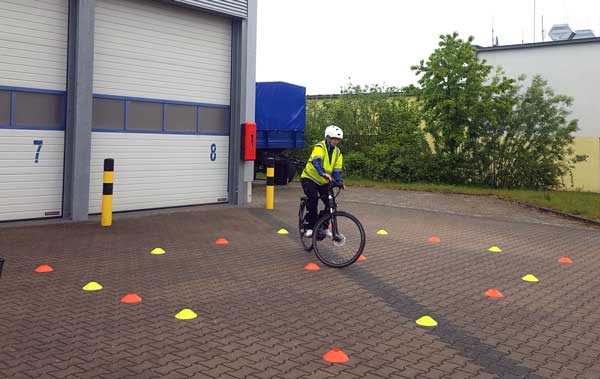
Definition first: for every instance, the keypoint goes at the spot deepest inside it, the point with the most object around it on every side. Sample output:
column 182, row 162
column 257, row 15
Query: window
column 38, row 109
column 4, row 108
column 181, row 118
column 214, row 120
column 144, row 116
column 108, row 114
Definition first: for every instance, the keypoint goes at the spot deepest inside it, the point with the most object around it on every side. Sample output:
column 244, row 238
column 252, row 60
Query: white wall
column 572, row 70
column 29, row 189
column 33, row 43
column 153, row 50
column 159, row 170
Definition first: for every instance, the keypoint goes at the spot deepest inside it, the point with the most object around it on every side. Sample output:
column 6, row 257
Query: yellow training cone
column 157, row 251
column 426, row 321
column 92, row 286
column 530, row 278
column 282, row 231
column 495, row 249
column 186, row 314
column 382, row 232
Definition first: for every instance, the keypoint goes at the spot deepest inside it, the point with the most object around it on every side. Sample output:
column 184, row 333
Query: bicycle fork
column 332, row 221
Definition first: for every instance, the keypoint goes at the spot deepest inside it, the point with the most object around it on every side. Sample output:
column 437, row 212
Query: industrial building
column 162, row 87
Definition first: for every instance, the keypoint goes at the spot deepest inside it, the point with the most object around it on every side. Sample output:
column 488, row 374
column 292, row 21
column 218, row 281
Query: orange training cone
column 221, row 241
column 131, row 298
column 565, row 260
column 312, row 267
column 494, row 293
column 434, row 239
column 44, row 268
column 362, row 258
column 336, row 356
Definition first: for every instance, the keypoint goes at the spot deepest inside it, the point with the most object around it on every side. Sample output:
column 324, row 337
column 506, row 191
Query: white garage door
column 161, row 104
column 33, row 62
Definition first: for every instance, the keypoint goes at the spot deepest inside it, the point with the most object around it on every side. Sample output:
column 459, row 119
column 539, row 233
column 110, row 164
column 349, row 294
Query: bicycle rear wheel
column 307, row 242
column 339, row 239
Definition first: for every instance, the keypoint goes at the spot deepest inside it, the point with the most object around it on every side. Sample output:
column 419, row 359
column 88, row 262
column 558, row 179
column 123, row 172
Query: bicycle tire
column 325, row 247
column 307, row 243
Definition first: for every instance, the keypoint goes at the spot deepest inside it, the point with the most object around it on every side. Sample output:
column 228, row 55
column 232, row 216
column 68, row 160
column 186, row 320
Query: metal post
column 270, row 183
column 107, row 191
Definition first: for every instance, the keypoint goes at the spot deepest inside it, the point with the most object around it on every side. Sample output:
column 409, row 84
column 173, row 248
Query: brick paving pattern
column 260, row 315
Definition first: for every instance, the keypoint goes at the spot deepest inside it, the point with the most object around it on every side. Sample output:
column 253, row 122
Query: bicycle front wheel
column 339, row 239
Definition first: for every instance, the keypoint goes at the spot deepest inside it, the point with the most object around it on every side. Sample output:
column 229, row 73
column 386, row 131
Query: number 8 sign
column 213, row 152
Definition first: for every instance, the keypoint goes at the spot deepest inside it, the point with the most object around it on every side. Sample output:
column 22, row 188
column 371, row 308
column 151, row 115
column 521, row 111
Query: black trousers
column 313, row 191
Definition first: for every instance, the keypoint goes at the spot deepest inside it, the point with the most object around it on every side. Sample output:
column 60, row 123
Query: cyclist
column 323, row 166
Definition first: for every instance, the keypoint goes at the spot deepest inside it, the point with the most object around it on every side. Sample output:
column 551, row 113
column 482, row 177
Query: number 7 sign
column 39, row 144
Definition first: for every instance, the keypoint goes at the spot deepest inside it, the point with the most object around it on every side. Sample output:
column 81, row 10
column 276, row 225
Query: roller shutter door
column 161, row 104
column 33, row 65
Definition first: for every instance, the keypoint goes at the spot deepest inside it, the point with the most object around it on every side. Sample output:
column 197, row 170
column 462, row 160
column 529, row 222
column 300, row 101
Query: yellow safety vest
column 320, row 150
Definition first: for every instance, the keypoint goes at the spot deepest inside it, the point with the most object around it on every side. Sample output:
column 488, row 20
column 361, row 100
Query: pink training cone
column 493, row 293
column 44, row 268
column 336, row 356
column 131, row 298
column 312, row 267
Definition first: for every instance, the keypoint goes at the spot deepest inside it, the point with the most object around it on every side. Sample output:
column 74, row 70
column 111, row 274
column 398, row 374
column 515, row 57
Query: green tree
column 535, row 151
column 486, row 129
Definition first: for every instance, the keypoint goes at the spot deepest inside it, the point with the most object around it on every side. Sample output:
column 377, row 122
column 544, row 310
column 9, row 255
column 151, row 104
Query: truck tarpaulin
column 280, row 115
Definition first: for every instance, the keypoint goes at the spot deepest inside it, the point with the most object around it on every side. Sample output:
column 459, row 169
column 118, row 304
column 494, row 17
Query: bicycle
column 339, row 237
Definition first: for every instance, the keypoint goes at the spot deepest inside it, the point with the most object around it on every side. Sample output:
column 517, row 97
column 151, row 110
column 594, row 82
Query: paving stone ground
column 260, row 315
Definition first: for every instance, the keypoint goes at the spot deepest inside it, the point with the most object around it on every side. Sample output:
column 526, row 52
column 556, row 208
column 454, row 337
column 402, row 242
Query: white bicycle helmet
column 333, row 131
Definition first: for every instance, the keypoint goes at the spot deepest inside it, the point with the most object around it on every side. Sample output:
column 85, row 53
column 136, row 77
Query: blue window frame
column 20, row 112
column 188, row 113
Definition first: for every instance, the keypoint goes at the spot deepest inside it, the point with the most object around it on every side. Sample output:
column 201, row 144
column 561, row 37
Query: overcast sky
column 319, row 44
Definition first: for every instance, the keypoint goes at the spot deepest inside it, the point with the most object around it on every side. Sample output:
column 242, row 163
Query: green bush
column 383, row 139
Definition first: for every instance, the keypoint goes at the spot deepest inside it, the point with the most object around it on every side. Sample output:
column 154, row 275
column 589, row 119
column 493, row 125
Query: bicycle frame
column 332, row 209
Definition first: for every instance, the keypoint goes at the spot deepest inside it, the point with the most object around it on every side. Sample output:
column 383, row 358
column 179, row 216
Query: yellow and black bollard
column 107, row 191
column 270, row 183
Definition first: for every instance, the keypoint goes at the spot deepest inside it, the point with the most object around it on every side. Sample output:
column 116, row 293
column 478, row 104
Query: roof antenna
column 533, row 21
column 543, row 30
column 492, row 30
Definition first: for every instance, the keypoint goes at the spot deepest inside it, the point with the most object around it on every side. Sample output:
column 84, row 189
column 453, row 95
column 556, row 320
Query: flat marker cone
column 186, row 314
column 44, row 268
column 312, row 267
column 495, row 249
column 565, row 260
column 336, row 356
column 282, row 231
column 435, row 239
column 362, row 258
column 426, row 321
column 92, row 286
column 221, row 241
column 382, row 232
column 530, row 278
column 131, row 298
column 493, row 293
column 157, row 251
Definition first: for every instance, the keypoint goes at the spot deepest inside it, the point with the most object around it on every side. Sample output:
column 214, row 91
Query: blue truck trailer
column 280, row 121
